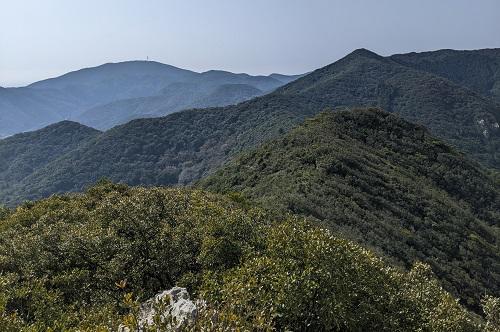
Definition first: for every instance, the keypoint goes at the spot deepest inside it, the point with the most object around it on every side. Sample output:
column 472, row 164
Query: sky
column 46, row 38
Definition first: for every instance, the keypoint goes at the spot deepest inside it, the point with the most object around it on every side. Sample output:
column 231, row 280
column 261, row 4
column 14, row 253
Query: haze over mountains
column 185, row 146
column 109, row 94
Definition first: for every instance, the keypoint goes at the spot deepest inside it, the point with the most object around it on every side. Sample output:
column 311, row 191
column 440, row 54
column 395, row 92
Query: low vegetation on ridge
column 67, row 262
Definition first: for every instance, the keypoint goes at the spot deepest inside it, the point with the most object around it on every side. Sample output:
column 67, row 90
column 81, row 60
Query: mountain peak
column 65, row 126
column 66, row 123
column 363, row 52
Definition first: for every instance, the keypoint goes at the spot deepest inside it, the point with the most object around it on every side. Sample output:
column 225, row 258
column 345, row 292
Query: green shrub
column 308, row 279
column 81, row 253
column 67, row 262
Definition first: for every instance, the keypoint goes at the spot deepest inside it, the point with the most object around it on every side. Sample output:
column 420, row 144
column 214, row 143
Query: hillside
column 478, row 70
column 85, row 94
column 175, row 97
column 83, row 263
column 208, row 89
column 227, row 94
column 461, row 117
column 387, row 184
column 186, row 146
column 286, row 78
column 22, row 154
column 24, row 110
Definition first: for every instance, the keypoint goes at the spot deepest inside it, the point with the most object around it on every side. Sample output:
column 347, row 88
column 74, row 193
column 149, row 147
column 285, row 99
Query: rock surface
column 172, row 308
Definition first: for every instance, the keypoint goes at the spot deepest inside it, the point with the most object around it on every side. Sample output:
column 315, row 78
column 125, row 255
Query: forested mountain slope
column 385, row 183
column 185, row 146
column 22, row 154
column 478, row 70
column 465, row 119
column 208, row 89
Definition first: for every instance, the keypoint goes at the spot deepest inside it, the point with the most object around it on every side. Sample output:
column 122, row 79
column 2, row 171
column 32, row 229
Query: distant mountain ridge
column 479, row 71
column 185, row 146
column 209, row 89
column 70, row 96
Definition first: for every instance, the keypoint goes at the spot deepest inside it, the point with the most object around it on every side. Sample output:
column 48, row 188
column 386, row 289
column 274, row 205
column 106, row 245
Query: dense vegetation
column 456, row 114
column 67, row 263
column 386, row 183
column 477, row 70
column 185, row 146
column 23, row 154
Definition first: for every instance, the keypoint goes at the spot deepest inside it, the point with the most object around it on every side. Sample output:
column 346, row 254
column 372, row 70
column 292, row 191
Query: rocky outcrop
column 169, row 310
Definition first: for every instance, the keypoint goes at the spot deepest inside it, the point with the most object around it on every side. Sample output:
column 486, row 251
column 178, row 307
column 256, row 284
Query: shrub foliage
column 67, row 262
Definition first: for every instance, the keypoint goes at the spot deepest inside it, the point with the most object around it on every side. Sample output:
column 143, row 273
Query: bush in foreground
column 67, row 262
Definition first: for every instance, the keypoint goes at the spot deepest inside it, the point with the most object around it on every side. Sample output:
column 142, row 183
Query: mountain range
column 107, row 95
column 326, row 203
column 186, row 146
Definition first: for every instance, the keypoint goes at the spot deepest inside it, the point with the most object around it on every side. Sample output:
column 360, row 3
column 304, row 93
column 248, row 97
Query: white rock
column 175, row 306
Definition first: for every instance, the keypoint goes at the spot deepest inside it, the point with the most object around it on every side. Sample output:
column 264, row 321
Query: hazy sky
column 46, row 38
